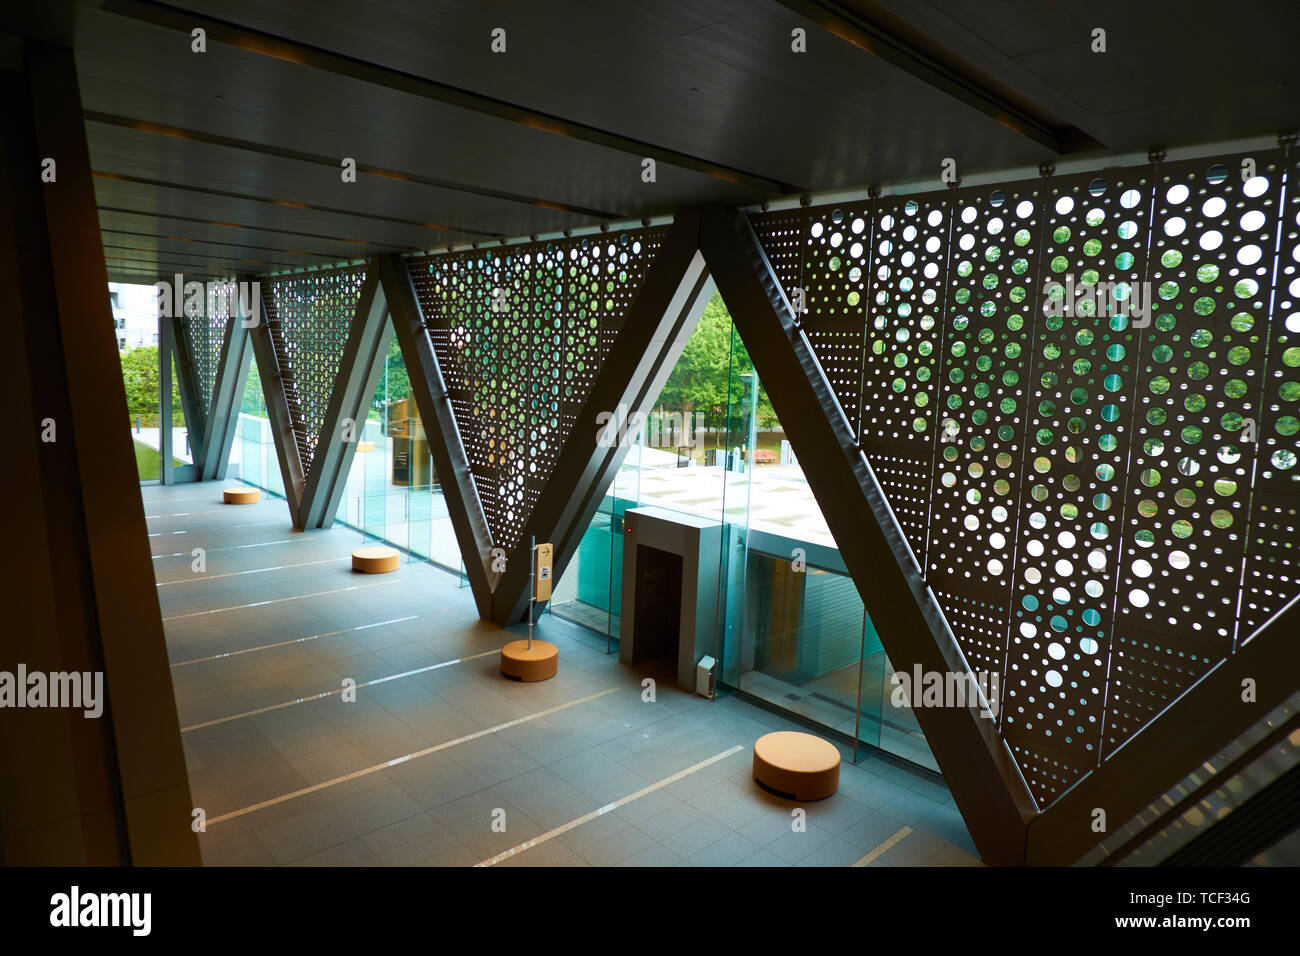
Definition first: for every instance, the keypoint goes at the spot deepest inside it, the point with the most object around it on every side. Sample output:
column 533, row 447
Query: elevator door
column 658, row 605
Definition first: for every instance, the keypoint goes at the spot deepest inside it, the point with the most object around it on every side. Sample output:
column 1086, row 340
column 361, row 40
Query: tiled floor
column 440, row 760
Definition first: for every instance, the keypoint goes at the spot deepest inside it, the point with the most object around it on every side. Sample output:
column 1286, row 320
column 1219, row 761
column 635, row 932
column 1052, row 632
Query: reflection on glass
column 253, row 458
column 392, row 492
column 899, row 731
column 806, row 633
column 792, row 628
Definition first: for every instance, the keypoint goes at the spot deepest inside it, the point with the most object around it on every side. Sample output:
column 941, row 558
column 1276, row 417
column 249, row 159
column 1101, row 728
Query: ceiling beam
column 106, row 229
column 302, row 54
column 313, row 207
column 155, row 252
column 382, row 246
column 165, row 266
column 212, row 139
column 126, row 275
column 890, row 40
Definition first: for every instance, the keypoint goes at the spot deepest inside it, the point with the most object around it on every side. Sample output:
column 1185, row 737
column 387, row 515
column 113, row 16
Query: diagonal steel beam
column 976, row 764
column 166, row 351
column 277, row 411
column 187, row 380
column 445, row 447
column 363, row 360
column 228, row 385
column 650, row 339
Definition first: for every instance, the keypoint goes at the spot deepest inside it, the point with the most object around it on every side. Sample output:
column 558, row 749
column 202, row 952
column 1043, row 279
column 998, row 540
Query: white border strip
column 403, row 759
column 607, row 808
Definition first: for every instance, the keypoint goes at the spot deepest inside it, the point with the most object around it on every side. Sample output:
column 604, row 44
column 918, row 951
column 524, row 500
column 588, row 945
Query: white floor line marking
column 296, row 597
column 888, row 844
column 407, row 757
column 337, row 690
column 168, row 499
column 184, row 514
column 196, row 577
column 299, row 640
column 251, row 524
column 235, row 547
column 622, row 801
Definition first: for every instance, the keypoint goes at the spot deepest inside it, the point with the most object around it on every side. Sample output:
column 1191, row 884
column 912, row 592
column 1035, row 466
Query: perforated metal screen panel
column 308, row 315
column 1079, row 386
column 1081, row 396
column 1273, row 530
column 1200, row 373
column 520, row 333
column 205, row 334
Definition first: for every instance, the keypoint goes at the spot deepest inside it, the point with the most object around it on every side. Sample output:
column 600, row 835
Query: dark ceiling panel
column 182, row 250
column 218, row 168
column 132, row 69
column 714, row 79
column 127, row 274
column 146, row 198
column 250, row 137
column 223, row 236
column 1173, row 73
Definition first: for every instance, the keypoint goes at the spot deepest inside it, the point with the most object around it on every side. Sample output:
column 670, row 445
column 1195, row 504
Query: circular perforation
column 308, row 315
column 520, row 334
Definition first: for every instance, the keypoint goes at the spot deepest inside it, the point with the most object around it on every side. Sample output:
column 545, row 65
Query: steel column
column 79, row 580
column 187, row 380
column 985, row 783
column 222, row 420
column 166, row 346
column 277, row 412
column 445, row 446
column 650, row 339
column 363, row 359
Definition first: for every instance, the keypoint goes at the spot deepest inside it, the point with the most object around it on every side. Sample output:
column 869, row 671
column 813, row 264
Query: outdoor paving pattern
column 543, row 770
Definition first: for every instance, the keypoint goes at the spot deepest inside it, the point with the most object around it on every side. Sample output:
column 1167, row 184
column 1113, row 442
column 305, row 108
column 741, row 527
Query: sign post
column 540, row 568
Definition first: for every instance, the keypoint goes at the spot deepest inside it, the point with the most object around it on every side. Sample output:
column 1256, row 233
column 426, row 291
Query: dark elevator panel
column 658, row 604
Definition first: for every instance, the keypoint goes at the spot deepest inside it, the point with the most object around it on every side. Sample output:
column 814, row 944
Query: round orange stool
column 241, row 496
column 540, row 662
column 795, row 765
column 376, row 559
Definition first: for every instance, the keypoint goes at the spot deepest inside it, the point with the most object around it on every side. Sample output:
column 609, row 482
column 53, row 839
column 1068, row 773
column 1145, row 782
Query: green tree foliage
column 707, row 376
column 140, row 379
column 254, row 402
column 394, row 383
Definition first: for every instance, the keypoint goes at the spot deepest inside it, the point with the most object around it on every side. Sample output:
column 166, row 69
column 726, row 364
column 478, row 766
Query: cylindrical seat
column 521, row 662
column 798, row 766
column 242, row 496
column 376, row 559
